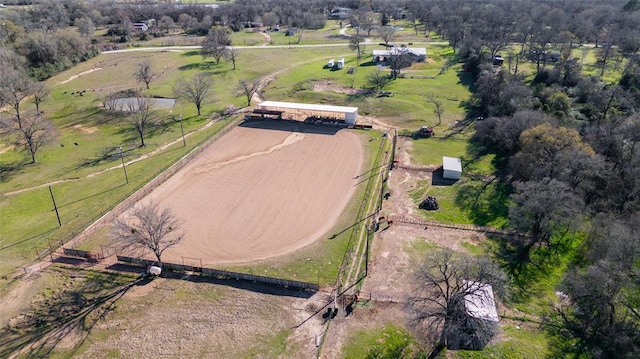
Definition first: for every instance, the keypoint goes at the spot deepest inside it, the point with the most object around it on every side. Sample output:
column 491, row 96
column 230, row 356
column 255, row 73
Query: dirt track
column 265, row 189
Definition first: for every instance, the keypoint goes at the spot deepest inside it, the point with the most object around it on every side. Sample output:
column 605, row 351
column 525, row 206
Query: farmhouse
column 414, row 54
column 452, row 168
column 304, row 111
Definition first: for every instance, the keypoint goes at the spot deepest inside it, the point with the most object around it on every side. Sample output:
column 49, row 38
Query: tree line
column 568, row 144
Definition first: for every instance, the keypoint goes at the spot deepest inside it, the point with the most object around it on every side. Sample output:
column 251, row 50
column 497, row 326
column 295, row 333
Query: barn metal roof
column 308, row 107
column 451, row 163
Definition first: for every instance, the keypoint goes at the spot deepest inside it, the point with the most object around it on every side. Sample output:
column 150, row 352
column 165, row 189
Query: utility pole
column 124, row 168
column 55, row 207
column 184, row 143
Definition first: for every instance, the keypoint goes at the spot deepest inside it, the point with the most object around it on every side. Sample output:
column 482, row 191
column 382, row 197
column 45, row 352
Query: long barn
column 303, row 111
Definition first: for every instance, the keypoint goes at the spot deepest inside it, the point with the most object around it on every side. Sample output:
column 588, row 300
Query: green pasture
column 406, row 108
column 477, row 198
column 388, row 341
column 89, row 137
column 519, row 342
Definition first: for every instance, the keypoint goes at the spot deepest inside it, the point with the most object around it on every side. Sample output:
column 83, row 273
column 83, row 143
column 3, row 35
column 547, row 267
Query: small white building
column 452, row 167
column 481, row 304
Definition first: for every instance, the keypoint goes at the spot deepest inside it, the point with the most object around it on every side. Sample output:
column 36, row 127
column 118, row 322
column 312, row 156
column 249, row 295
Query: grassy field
column 386, row 341
column 407, row 108
column 87, row 180
column 89, row 135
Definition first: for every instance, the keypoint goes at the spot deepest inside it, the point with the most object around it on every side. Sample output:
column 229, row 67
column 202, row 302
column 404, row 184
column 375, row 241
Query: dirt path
column 267, row 38
column 79, row 75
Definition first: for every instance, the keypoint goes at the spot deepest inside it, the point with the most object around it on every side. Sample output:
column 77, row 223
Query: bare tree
column 248, row 89
column 14, row 88
column 232, row 55
column 446, row 280
column 144, row 73
column 195, row 91
column 140, row 115
column 356, row 43
column 148, row 227
column 439, row 109
column 398, row 59
column 387, row 33
column 215, row 44
column 31, row 132
column 40, row 94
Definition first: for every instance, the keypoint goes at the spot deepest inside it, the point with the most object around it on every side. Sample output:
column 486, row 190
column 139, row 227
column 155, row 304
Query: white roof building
column 481, row 304
column 419, row 52
column 452, row 167
column 301, row 111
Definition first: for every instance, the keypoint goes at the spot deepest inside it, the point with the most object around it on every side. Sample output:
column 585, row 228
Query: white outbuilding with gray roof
column 452, row 167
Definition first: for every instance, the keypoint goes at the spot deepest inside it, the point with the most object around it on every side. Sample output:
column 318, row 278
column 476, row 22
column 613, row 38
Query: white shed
column 480, row 303
column 452, row 167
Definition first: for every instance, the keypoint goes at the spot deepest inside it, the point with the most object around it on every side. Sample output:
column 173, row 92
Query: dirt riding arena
column 265, row 189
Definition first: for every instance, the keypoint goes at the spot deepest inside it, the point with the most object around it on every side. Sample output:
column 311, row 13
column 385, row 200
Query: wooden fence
column 464, row 227
column 90, row 256
column 222, row 273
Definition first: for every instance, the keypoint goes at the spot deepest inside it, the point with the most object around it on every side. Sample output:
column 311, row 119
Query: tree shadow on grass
column 485, row 201
column 205, row 66
column 106, row 155
column 73, row 311
column 192, row 53
column 8, row 170
column 531, row 267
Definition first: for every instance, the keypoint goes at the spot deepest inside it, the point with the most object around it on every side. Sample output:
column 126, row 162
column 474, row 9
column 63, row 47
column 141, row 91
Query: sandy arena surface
column 264, row 189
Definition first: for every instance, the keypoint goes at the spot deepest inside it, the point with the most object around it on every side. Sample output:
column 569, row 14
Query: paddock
column 265, row 189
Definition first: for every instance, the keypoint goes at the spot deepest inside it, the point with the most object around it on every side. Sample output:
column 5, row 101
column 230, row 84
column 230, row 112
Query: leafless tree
column 140, row 115
column 196, row 90
column 399, row 59
column 356, row 43
column 111, row 101
column 148, row 227
column 40, row 94
column 439, row 109
column 445, row 279
column 215, row 44
column 387, row 33
column 232, row 55
column 14, row 88
column 248, row 88
column 144, row 73
column 31, row 132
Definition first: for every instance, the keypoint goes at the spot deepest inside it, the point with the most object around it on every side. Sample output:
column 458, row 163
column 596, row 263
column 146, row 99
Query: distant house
column 144, row 25
column 291, row 31
column 140, row 26
column 415, row 54
column 340, row 13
